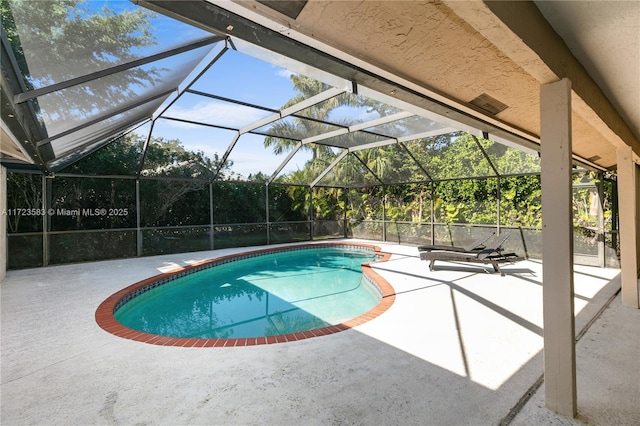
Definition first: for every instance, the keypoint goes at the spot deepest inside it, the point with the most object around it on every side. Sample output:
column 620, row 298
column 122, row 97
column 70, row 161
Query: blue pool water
column 272, row 294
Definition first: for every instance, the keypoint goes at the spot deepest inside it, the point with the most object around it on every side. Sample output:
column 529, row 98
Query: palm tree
column 290, row 129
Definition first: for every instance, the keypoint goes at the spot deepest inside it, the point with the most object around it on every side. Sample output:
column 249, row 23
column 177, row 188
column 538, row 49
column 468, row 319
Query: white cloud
column 211, row 112
column 285, row 73
column 248, row 161
column 208, row 150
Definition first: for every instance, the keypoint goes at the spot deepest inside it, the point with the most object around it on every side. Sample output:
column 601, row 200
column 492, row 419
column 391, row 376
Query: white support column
column 3, row 222
column 557, row 248
column 628, row 215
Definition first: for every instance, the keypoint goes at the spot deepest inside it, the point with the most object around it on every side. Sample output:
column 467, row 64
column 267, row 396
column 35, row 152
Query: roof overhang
column 440, row 56
column 237, row 22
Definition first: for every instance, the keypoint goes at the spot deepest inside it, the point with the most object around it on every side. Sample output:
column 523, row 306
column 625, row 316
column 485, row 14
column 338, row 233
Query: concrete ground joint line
column 513, row 412
column 588, row 325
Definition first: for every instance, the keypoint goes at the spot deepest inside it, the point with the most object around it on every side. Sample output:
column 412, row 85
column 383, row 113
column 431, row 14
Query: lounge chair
column 476, row 245
column 492, row 254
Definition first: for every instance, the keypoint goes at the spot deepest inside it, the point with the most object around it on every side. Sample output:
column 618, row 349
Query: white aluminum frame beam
column 382, row 120
column 324, row 136
column 25, row 96
column 284, row 162
column 316, row 99
column 320, row 97
column 373, row 145
column 328, row 169
column 428, row 134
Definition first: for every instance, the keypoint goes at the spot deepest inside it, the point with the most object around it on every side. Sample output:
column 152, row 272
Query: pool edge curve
column 105, row 318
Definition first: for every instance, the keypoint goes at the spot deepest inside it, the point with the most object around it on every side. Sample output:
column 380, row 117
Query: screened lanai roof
column 85, row 77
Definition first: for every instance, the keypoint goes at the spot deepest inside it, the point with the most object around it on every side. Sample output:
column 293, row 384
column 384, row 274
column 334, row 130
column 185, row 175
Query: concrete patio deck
column 458, row 346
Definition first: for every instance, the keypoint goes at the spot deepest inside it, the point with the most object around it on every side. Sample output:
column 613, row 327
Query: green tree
column 24, row 191
column 84, row 39
column 182, row 201
column 185, row 200
column 467, row 188
column 300, row 127
column 119, row 157
column 520, row 202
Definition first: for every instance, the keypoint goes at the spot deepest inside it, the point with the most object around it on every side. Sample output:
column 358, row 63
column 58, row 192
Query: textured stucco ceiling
column 605, row 37
column 425, row 43
column 461, row 50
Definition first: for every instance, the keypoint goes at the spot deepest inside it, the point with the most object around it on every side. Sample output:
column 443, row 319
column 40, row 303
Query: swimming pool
column 266, row 296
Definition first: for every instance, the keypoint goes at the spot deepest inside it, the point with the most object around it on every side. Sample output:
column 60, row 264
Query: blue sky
column 235, row 76
column 250, row 75
column 238, row 75
column 241, row 75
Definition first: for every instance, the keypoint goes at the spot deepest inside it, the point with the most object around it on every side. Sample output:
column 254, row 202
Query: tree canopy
column 56, row 41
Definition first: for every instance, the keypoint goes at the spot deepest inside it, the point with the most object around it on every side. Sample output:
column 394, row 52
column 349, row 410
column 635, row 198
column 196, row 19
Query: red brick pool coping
column 107, row 321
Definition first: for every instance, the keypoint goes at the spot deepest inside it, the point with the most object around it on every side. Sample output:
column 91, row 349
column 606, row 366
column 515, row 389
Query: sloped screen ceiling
column 89, row 66
column 221, row 108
